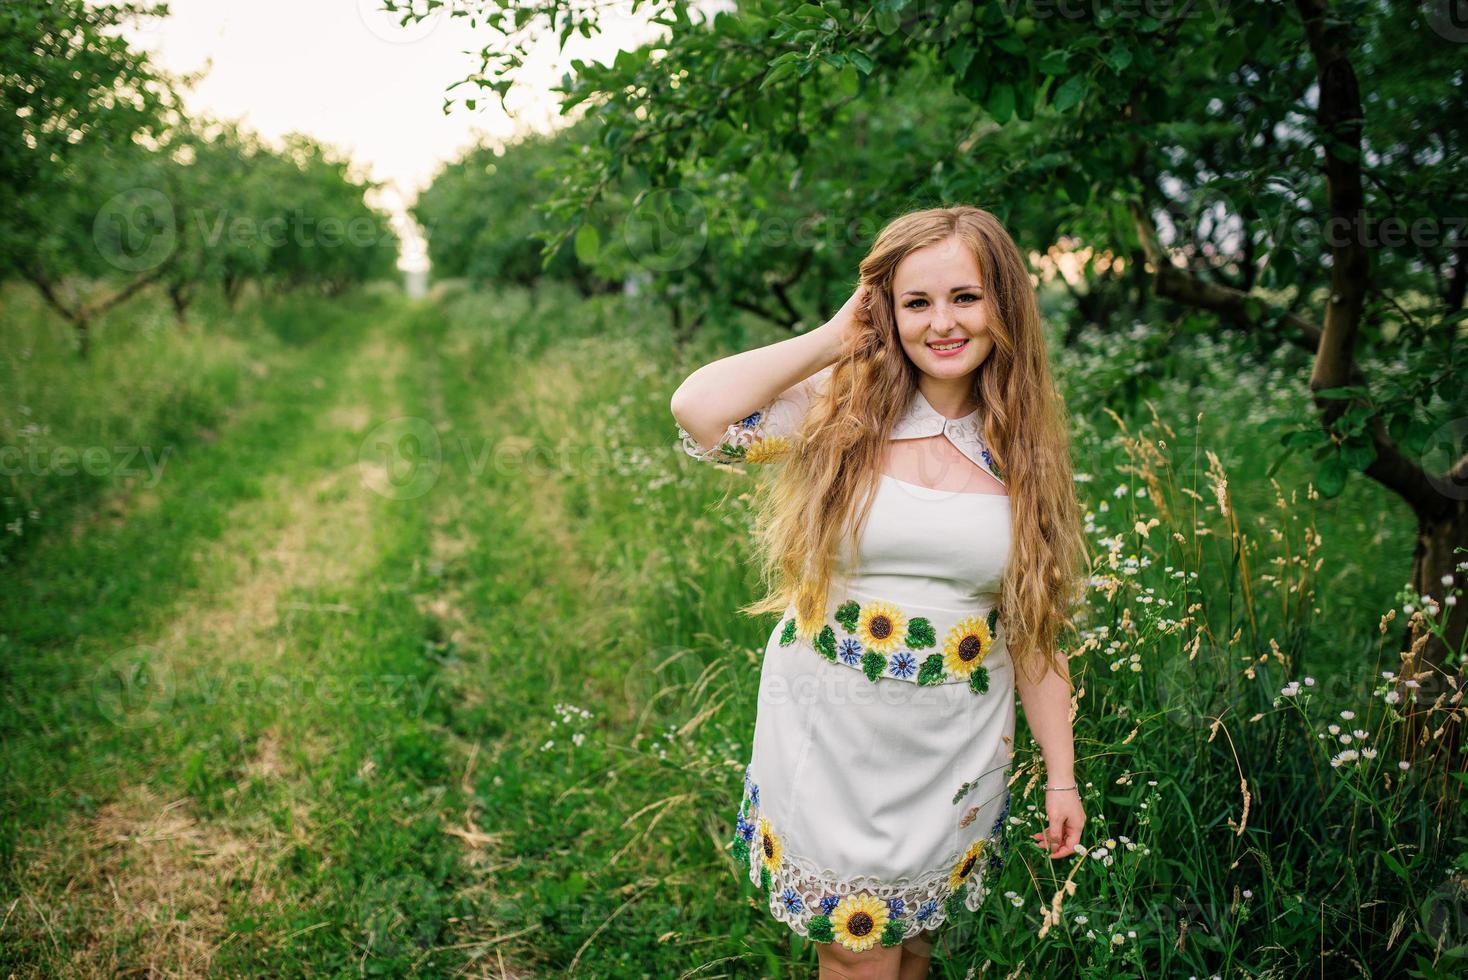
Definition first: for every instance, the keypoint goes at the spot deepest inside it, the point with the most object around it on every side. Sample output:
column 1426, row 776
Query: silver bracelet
column 1057, row 789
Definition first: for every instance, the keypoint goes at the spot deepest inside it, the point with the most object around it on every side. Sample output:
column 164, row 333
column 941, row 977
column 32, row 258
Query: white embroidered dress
column 875, row 798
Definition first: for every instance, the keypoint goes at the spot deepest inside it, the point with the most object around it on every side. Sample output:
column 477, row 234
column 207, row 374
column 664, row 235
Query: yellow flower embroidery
column 770, row 848
column 965, row 865
column 806, row 629
column 881, row 627
column 766, row 449
column 966, row 645
column 858, row 921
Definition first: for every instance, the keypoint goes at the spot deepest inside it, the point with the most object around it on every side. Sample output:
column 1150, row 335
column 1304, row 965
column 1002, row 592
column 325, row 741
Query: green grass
column 421, row 659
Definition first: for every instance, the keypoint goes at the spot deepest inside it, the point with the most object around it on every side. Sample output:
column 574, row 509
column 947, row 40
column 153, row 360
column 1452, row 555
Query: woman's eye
column 912, row 304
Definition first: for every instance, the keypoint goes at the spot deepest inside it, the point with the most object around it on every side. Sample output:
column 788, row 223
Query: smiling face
column 937, row 297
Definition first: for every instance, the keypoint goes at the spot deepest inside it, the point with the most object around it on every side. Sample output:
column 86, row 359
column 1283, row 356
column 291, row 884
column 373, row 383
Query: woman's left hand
column 1066, row 818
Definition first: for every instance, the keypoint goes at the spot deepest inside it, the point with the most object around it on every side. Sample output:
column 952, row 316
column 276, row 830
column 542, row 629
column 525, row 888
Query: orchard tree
column 1283, row 169
column 476, row 222
column 74, row 98
column 315, row 221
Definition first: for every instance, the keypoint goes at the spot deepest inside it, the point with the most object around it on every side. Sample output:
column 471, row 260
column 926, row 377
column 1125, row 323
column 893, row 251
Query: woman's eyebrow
column 919, row 292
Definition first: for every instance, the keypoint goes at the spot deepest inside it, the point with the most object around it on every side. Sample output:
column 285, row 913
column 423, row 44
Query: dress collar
column 921, row 420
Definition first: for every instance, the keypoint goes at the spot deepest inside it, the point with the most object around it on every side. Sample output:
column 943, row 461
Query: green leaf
column 1358, row 454
column 1343, row 392
column 1118, row 58
column 588, row 244
column 960, row 56
column 1070, row 93
column 1000, row 103
column 1054, row 62
column 1330, row 476
column 777, row 73
column 862, row 60
column 1008, row 43
column 1304, row 438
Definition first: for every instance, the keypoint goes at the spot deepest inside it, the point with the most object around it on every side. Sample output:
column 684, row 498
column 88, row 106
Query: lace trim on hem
column 860, row 911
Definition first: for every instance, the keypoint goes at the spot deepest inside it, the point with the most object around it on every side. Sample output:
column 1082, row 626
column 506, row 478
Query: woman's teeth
column 949, row 346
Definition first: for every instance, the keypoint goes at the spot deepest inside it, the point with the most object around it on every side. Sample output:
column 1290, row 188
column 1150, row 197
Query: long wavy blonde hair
column 836, row 456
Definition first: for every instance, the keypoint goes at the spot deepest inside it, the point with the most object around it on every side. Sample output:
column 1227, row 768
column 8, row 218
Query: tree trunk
column 1433, row 661
column 231, row 286
column 178, row 294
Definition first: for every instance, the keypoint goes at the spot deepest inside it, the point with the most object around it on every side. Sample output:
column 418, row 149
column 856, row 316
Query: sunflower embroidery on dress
column 746, row 441
column 881, row 640
column 858, row 916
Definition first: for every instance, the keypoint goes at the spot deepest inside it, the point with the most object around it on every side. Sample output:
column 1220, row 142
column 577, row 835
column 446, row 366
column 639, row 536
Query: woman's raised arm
column 761, row 392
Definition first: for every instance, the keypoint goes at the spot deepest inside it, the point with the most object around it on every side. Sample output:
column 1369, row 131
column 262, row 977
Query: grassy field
column 418, row 658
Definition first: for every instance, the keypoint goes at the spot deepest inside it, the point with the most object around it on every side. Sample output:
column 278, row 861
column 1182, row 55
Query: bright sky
column 344, row 72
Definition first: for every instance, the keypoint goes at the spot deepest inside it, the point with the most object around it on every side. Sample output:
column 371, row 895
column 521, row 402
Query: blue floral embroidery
column 745, row 827
column 829, row 903
column 988, row 458
column 927, row 909
column 895, row 906
column 849, row 651
column 902, row 664
column 754, row 794
column 792, row 901
column 748, row 422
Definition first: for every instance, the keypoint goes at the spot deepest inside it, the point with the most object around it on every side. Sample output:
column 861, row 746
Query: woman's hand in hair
column 850, row 319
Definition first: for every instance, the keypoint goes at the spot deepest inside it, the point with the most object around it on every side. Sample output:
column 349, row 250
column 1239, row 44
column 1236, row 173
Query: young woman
column 922, row 537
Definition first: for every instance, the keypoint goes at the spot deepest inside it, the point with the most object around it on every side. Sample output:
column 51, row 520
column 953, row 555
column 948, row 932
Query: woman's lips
column 950, row 353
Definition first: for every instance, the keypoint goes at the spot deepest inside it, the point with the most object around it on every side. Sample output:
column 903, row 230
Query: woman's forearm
column 1047, row 709
column 724, row 391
